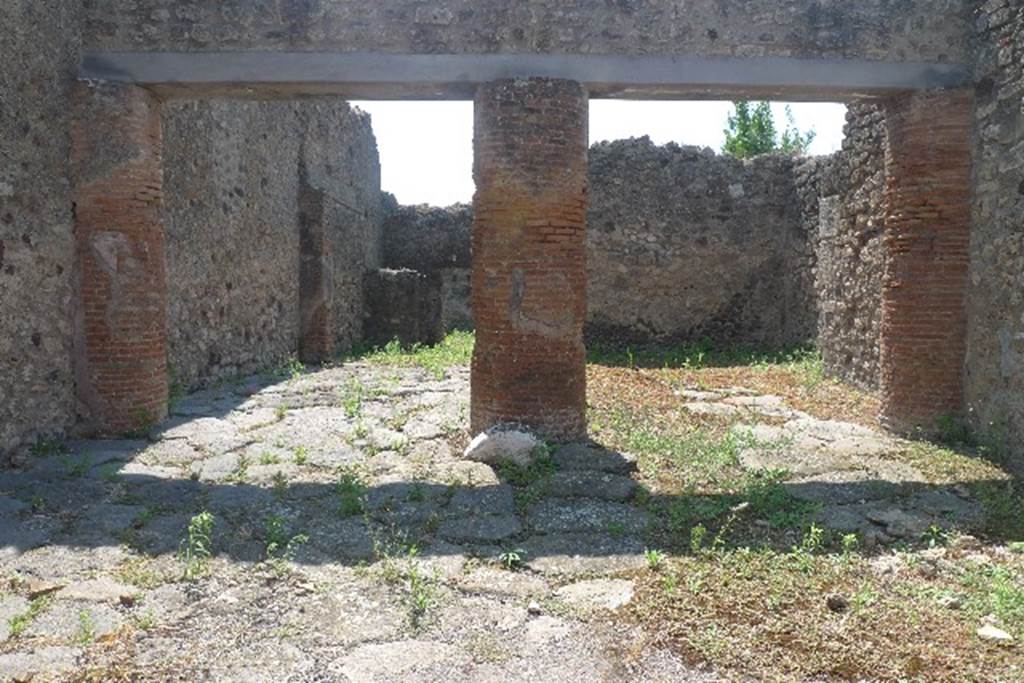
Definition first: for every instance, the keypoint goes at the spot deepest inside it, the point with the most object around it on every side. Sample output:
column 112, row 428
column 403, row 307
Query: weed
column 512, row 559
column 301, row 455
column 280, row 412
column 455, row 349
column 421, row 589
column 850, row 544
column 75, row 467
column 352, row 397
column 145, row 621
column 697, row 535
column 20, row 622
column 770, row 500
column 268, row 458
column 280, row 484
column 521, row 477
column 47, row 447
column 416, row 494
column 137, row 572
column 351, row 493
column 812, row 543
column 655, row 559
column 86, row 628
column 291, row 368
column 281, row 544
column 953, row 431
column 241, row 469
column 196, row 548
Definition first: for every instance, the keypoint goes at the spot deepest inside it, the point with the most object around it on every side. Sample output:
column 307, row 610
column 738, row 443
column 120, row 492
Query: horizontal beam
column 454, row 76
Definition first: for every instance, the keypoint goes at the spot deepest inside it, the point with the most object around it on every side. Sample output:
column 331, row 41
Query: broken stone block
column 498, row 445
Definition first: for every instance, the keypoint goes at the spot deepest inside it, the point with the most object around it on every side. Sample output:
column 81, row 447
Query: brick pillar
column 121, row 321
column 928, row 225
column 529, row 259
column 316, row 335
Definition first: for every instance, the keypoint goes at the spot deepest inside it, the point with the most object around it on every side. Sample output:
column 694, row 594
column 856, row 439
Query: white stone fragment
column 498, row 445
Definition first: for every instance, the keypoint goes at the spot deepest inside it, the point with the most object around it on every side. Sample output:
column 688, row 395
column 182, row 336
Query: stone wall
column 995, row 355
column 40, row 48
column 682, row 244
column 843, row 195
column 234, row 175
column 926, row 30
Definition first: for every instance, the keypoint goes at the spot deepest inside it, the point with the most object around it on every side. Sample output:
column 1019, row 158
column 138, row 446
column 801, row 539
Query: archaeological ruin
column 770, row 410
column 131, row 129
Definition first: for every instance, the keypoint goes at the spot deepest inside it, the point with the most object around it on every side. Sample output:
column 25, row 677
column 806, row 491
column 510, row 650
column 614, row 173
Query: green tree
column 751, row 131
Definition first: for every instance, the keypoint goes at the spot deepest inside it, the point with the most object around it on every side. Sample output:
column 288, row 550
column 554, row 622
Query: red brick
column 928, row 225
column 121, row 331
column 529, row 258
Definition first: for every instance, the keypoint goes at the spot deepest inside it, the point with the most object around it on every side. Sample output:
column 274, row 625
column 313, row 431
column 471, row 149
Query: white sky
column 426, row 148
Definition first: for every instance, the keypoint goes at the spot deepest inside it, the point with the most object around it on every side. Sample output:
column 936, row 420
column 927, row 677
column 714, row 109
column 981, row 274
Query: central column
column 529, row 257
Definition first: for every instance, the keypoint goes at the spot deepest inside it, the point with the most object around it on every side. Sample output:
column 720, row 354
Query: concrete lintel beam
column 454, row 76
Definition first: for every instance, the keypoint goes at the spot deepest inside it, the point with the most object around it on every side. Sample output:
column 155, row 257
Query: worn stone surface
column 102, row 538
column 911, row 30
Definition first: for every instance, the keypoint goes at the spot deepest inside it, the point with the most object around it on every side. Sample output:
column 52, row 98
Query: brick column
column 928, row 225
column 121, row 321
column 529, row 258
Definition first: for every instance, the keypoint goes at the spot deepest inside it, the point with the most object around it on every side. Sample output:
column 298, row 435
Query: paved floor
column 350, row 542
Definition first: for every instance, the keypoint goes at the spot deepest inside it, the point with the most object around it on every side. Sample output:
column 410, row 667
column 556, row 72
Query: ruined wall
column 234, row 174
column 843, row 194
column 995, row 355
column 40, row 48
column 682, row 244
column 926, row 30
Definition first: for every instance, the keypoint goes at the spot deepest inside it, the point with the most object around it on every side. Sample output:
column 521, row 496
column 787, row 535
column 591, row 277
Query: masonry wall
column 40, row 47
column 842, row 199
column 995, row 336
column 928, row 30
column 235, row 171
column 682, row 244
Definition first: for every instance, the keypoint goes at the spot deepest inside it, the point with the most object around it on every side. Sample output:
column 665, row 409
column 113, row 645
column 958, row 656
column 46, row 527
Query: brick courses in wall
column 529, row 257
column 121, row 324
column 927, row 237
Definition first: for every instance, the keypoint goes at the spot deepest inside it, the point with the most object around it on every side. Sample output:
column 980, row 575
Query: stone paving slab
column 310, row 580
